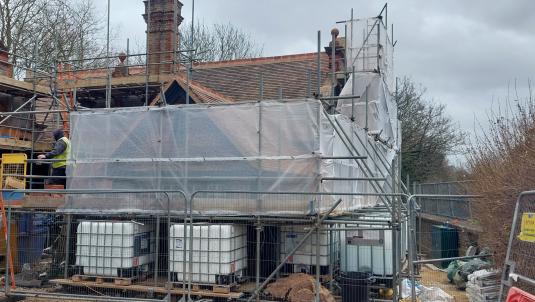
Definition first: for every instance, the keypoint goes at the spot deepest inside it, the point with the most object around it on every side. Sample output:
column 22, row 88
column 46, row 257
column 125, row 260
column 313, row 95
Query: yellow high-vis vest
column 63, row 156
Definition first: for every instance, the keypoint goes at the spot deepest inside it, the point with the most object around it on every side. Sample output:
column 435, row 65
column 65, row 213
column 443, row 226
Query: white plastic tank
column 370, row 250
column 305, row 257
column 219, row 252
column 110, row 248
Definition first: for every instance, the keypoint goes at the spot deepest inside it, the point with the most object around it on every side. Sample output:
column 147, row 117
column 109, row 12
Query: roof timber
column 133, row 80
column 21, row 145
column 16, row 87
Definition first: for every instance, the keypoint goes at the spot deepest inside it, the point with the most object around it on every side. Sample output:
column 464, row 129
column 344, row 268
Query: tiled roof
column 240, row 79
column 198, row 93
column 295, row 76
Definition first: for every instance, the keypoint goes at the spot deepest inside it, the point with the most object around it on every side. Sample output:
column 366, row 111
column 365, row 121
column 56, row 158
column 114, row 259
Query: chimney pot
column 121, row 70
column 335, row 32
column 122, row 57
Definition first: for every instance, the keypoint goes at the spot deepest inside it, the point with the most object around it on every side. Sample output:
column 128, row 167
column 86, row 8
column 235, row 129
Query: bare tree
column 502, row 163
column 16, row 17
column 71, row 32
column 428, row 134
column 219, row 42
column 50, row 30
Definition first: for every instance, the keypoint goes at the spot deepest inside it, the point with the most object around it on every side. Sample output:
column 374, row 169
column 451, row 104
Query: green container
column 444, row 243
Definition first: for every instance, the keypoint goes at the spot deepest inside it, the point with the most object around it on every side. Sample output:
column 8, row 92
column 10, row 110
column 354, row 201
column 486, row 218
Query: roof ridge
column 260, row 60
column 137, row 70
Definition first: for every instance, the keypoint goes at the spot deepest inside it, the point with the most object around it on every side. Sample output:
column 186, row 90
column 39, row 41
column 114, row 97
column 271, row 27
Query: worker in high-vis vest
column 60, row 154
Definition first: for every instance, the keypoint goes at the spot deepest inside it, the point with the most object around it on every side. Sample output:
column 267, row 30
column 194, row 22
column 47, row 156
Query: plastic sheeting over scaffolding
column 370, row 54
column 375, row 110
column 269, row 146
column 370, row 49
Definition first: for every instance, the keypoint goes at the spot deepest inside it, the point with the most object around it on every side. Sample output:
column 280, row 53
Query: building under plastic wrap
column 199, row 198
column 270, row 146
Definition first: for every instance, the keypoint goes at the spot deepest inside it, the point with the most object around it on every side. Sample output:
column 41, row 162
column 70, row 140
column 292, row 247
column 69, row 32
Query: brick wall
column 6, row 69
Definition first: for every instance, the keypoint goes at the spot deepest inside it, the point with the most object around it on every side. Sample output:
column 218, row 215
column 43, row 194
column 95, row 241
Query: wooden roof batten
column 12, row 86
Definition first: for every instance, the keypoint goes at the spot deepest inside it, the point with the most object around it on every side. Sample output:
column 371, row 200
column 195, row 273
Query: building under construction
column 266, row 179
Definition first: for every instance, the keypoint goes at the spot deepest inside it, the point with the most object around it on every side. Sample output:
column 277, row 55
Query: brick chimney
column 162, row 35
column 6, row 68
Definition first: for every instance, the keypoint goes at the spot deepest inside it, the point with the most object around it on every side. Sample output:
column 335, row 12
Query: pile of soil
column 298, row 288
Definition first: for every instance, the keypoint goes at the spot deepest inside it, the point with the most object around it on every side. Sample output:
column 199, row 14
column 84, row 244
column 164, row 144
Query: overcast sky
column 464, row 52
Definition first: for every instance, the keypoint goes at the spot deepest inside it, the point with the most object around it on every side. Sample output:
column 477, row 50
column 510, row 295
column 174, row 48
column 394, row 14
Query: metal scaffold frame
column 29, row 138
column 396, row 199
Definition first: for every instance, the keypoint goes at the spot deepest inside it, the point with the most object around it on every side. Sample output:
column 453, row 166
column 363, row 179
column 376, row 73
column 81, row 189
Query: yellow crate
column 14, row 158
column 13, row 170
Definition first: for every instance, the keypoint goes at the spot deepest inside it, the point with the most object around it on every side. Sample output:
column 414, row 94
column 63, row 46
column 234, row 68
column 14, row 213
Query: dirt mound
column 297, row 288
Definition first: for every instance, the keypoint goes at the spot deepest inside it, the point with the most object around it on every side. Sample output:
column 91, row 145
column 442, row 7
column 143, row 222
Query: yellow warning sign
column 527, row 227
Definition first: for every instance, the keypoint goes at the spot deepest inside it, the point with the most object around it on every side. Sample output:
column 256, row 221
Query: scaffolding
column 326, row 164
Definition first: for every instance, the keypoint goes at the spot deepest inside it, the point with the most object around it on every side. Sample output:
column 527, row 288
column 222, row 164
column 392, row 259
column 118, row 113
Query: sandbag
column 453, row 267
column 472, row 266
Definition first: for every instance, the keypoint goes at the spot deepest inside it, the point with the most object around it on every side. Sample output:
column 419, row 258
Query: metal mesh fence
column 443, row 259
column 519, row 270
column 92, row 255
column 438, row 284
column 436, row 241
column 139, row 256
column 453, row 207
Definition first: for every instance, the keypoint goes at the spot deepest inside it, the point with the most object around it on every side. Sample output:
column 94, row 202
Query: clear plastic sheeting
column 268, row 146
column 123, row 203
column 346, row 139
column 369, row 48
column 375, row 110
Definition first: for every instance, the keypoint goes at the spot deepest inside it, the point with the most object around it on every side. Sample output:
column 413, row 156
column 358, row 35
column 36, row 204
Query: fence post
column 67, row 246
column 258, row 250
column 156, row 258
column 190, row 263
column 395, row 228
column 171, row 244
column 505, row 276
column 318, row 258
column 8, row 232
column 9, row 257
column 412, row 236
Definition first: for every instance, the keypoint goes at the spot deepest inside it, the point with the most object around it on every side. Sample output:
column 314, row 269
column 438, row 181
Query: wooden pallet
column 104, row 279
column 221, row 289
column 199, row 287
column 146, row 288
